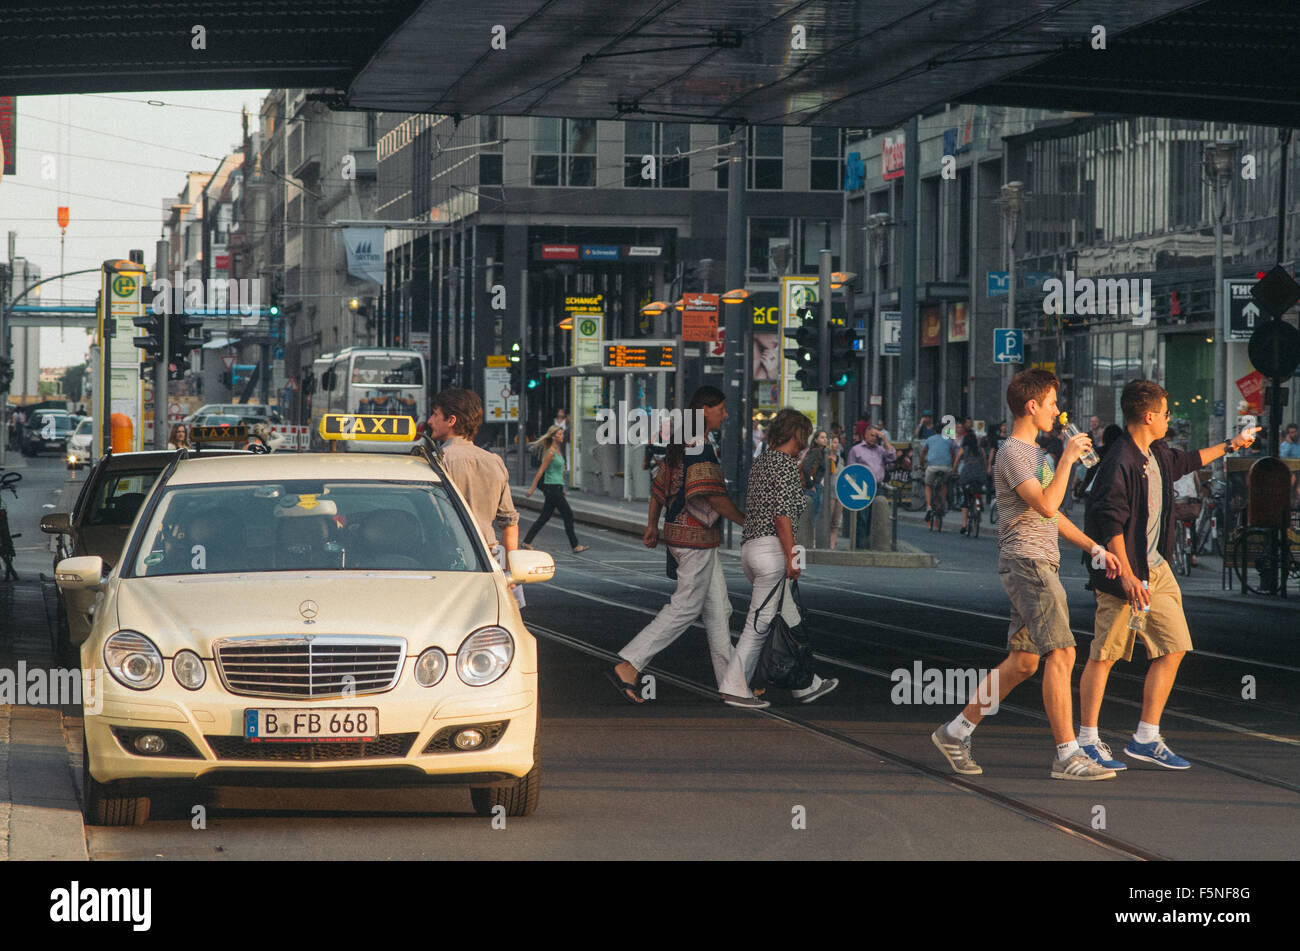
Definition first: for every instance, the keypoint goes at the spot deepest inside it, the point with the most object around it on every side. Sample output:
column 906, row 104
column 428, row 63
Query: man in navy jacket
column 1130, row 510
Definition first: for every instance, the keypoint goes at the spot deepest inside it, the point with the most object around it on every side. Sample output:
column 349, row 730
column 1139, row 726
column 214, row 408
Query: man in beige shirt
column 480, row 475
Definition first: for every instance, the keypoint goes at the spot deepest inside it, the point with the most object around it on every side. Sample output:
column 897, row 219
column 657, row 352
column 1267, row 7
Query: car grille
column 309, row 668
column 236, row 747
column 441, row 741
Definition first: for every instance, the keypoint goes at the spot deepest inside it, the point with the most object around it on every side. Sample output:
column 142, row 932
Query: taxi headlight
column 430, row 667
column 188, row 670
column 133, row 660
column 484, row 656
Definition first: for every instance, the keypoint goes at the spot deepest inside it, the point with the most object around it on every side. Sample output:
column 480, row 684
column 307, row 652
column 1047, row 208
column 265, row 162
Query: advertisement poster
column 767, row 356
column 931, row 327
column 699, row 318
column 958, row 324
column 1252, row 390
column 584, row 391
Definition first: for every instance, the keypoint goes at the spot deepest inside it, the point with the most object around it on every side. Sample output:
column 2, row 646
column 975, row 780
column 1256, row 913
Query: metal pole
column 1219, row 430
column 908, row 361
column 876, row 239
column 736, row 382
column 823, row 526
column 523, row 373
column 161, row 254
column 1275, row 403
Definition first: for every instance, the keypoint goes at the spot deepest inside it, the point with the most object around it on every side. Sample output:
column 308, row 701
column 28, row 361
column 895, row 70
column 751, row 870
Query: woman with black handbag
column 773, row 505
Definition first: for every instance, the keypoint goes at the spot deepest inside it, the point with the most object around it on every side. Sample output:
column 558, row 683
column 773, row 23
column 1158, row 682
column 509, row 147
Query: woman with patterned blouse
column 690, row 491
column 772, row 508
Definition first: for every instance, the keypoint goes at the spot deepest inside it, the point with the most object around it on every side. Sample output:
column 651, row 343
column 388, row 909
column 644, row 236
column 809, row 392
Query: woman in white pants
column 772, row 508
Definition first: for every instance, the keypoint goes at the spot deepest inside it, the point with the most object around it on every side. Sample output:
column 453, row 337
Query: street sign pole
column 822, row 531
column 523, row 384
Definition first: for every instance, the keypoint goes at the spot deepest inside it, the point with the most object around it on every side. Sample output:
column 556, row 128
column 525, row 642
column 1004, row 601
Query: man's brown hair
column 1030, row 385
column 465, row 406
column 1141, row 397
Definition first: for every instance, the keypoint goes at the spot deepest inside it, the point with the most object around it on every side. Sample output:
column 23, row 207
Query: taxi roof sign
column 367, row 428
column 225, row 433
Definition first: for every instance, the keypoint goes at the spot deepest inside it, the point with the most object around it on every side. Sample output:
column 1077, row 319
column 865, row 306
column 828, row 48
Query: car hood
column 191, row 611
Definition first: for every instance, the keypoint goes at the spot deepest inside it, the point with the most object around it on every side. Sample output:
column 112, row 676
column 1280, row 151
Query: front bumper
column 211, row 720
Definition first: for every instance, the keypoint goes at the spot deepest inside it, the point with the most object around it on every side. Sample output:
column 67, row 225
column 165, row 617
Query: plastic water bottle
column 1089, row 458
column 1137, row 621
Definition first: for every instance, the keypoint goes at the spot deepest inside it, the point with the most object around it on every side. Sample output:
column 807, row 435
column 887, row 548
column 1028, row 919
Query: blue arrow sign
column 855, row 487
column 1008, row 346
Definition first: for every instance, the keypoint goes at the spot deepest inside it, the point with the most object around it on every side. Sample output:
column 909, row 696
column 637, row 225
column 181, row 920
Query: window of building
column 818, row 233
column 826, row 167
column 564, row 152
column 766, row 157
column 421, row 172
column 490, row 158
column 664, row 141
column 771, row 251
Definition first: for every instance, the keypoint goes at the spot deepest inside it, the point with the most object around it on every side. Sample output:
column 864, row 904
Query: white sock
column 961, row 727
column 1065, row 750
column 1088, row 736
column 1147, row 732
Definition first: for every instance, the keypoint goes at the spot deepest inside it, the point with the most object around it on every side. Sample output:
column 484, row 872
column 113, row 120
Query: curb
column 907, row 556
column 40, row 813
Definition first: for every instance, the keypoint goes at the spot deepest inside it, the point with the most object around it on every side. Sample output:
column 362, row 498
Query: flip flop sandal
column 625, row 689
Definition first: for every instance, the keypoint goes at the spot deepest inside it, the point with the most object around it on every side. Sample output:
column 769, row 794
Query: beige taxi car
column 306, row 619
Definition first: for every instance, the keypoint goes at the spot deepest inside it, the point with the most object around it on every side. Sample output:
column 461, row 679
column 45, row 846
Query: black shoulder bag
column 786, row 661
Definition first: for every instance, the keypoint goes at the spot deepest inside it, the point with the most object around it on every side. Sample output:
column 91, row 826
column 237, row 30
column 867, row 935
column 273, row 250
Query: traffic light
column 516, row 370
column 808, row 352
column 226, row 379
column 843, row 358
column 273, row 311
column 6, row 374
column 533, row 372
column 184, row 333
column 151, row 342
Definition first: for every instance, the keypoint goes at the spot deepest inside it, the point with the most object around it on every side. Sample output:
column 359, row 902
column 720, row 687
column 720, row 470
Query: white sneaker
column 752, row 703
column 1080, row 766
column 819, row 688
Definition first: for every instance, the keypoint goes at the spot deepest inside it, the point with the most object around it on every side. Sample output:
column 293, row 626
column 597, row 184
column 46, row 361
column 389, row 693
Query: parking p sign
column 1008, row 346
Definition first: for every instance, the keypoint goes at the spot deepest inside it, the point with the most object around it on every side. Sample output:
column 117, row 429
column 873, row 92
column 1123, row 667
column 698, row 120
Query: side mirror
column 56, row 523
column 84, row 572
column 530, row 566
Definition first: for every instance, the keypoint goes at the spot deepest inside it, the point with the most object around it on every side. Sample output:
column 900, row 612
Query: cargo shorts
column 1040, row 617
column 1166, row 625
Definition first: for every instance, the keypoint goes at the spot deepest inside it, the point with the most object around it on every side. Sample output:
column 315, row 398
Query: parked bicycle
column 7, row 553
column 1211, row 524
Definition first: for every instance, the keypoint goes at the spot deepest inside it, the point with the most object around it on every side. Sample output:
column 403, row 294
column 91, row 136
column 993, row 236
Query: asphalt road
column 853, row 776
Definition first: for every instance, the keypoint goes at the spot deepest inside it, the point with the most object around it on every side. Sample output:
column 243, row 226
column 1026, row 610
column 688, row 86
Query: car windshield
column 119, row 495
column 386, row 370
column 305, row 525
column 83, row 427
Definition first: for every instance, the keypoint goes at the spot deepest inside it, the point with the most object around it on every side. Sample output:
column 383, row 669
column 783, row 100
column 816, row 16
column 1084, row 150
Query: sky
column 111, row 159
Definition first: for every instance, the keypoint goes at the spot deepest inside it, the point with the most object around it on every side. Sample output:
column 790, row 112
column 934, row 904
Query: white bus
column 387, row 381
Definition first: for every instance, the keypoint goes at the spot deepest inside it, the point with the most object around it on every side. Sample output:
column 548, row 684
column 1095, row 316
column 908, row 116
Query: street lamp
column 876, row 235
column 1219, row 165
column 1013, row 205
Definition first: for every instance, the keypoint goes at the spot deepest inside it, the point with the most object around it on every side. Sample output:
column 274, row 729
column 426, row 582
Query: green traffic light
column 534, row 383
column 275, row 310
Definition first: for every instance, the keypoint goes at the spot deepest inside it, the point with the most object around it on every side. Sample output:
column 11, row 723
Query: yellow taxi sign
column 367, row 428
column 219, row 433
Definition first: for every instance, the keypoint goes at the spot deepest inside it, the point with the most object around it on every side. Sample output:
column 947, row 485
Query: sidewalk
column 40, row 817
column 629, row 518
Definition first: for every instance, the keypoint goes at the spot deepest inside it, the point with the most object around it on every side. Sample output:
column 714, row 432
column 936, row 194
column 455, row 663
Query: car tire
column 519, row 798
column 102, row 809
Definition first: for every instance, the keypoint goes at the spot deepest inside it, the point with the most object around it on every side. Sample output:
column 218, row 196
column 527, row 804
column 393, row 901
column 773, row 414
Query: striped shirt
column 1022, row 532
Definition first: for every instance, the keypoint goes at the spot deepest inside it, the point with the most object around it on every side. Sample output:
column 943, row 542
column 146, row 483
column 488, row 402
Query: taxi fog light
column 133, row 660
column 431, row 667
column 484, row 656
column 150, row 743
column 188, row 669
column 468, row 739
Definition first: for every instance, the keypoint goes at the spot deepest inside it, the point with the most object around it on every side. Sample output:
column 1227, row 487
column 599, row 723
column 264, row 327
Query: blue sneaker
column 1099, row 752
column 1156, row 753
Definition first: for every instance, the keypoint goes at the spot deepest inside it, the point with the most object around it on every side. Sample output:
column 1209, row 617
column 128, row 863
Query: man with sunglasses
column 1129, row 510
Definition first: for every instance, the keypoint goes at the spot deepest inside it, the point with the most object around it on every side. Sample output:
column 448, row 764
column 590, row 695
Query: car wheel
column 519, row 798
column 102, row 809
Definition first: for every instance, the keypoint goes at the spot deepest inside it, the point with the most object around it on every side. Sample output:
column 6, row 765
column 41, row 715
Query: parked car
column 234, row 409
column 47, row 431
column 81, row 443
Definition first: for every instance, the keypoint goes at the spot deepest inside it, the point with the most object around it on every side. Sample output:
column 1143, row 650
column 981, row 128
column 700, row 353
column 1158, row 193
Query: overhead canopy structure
column 870, row 63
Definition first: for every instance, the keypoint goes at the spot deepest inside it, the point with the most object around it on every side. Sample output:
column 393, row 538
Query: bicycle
column 7, row 553
column 942, row 503
column 1184, row 546
column 1268, row 551
column 973, row 499
column 1211, row 524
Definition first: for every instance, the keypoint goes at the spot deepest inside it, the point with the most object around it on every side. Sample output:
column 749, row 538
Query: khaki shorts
column 1166, row 628
column 937, row 475
column 1040, row 618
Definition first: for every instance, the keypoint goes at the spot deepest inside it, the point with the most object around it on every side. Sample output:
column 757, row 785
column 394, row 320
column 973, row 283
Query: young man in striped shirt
column 1029, row 494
